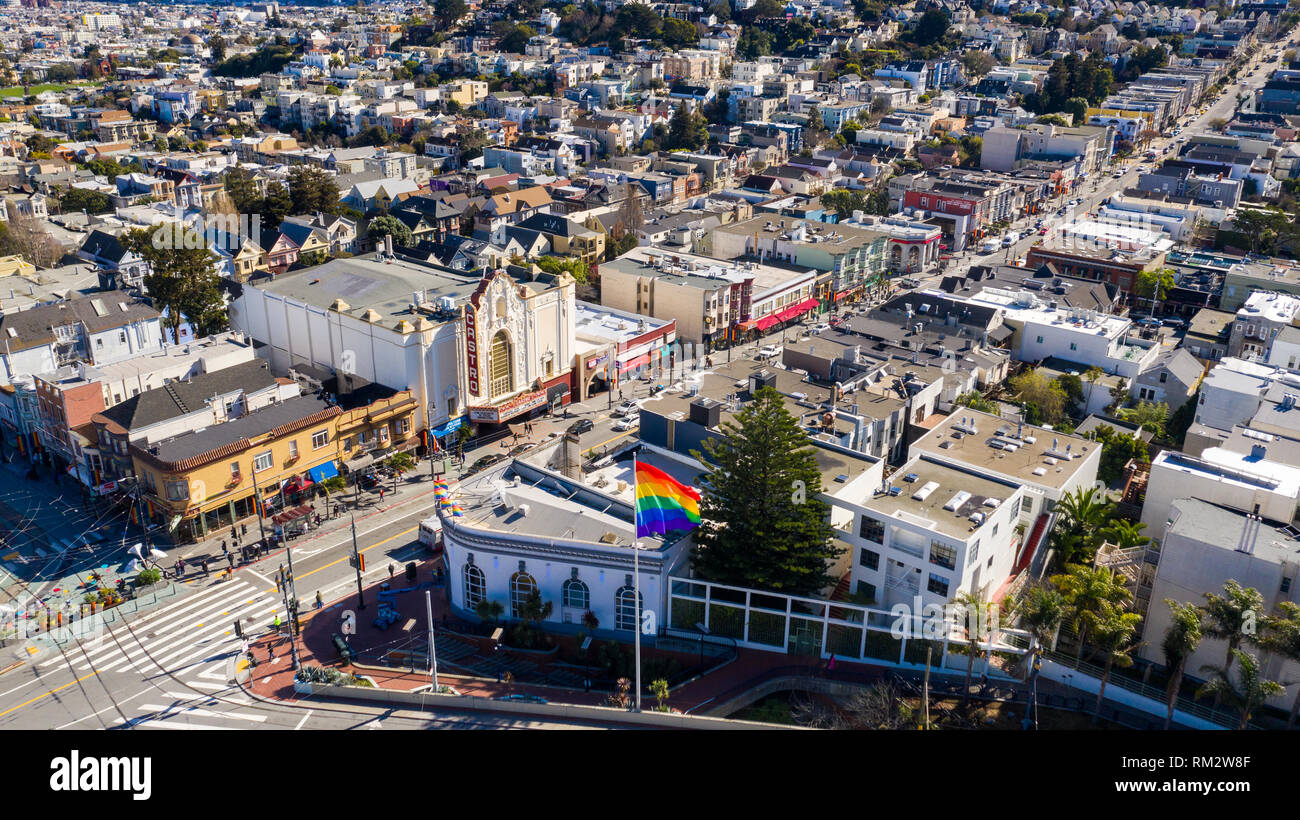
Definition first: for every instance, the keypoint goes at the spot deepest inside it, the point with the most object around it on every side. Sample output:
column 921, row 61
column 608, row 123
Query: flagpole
column 636, row 582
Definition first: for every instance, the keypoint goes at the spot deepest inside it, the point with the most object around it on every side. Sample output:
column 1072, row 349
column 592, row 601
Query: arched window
column 501, row 379
column 521, row 586
column 576, row 595
column 626, row 603
column 475, row 585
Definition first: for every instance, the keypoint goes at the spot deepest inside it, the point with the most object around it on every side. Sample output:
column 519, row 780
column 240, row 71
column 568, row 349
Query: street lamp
column 356, row 562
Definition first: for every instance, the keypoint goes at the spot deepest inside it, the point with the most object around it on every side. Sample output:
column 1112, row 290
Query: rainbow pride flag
column 663, row 503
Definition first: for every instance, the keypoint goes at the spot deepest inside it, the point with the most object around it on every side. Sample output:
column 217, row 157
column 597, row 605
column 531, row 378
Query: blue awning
column 449, row 427
column 323, row 471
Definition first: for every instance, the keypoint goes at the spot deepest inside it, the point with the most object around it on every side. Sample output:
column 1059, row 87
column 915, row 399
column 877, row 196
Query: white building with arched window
column 527, row 527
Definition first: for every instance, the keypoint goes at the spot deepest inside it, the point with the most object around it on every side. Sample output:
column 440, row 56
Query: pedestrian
column 205, row 568
column 277, row 622
column 270, row 650
column 223, row 546
column 279, row 585
column 319, row 602
column 230, row 559
column 381, row 495
column 390, row 572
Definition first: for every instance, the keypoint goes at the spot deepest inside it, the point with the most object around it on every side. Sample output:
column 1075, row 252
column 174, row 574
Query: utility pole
column 356, row 563
column 433, row 655
column 925, row 690
column 291, row 615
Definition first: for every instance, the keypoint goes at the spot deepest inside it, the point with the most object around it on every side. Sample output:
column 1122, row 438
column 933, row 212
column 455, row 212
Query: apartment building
column 1006, row 149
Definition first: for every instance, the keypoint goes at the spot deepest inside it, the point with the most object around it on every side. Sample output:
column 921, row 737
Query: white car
column 820, row 327
column 625, row 408
column 629, row 422
column 769, row 352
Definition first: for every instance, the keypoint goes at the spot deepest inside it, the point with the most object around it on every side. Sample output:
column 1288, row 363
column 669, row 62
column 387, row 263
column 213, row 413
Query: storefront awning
column 290, row 515
column 297, row 484
column 796, row 310
column 323, row 471
column 361, row 462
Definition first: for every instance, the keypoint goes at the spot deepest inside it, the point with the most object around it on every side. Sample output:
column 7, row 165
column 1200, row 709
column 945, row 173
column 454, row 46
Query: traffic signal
column 239, row 630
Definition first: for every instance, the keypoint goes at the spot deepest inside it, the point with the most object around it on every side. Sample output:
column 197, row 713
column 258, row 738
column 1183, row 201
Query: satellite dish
column 136, row 550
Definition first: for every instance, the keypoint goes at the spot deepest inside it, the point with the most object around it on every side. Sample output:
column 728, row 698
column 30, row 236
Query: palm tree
column 1091, row 376
column 1113, row 631
column 1126, row 534
column 1282, row 637
column 1180, row 641
column 1042, row 610
column 1084, row 512
column 1086, row 589
column 1228, row 614
column 1247, row 693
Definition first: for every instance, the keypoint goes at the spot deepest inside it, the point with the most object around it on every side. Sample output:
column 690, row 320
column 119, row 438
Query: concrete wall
column 597, row 714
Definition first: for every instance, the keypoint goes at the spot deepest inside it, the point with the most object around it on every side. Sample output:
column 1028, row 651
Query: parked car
column 483, row 463
column 820, row 327
column 625, row 407
column 1149, row 321
column 521, row 449
column 629, row 422
column 1175, row 323
column 768, row 352
column 581, row 426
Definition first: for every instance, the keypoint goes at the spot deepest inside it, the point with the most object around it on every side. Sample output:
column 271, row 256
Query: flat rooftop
column 1029, row 308
column 385, row 287
column 1221, row 527
column 705, row 272
column 1028, row 463
column 612, row 325
column 929, row 511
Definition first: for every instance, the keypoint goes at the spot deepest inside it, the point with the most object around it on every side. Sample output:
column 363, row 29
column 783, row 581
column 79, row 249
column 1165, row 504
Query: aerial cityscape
column 827, row 364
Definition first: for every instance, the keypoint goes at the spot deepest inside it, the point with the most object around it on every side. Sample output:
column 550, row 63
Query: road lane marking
column 304, row 720
column 46, row 695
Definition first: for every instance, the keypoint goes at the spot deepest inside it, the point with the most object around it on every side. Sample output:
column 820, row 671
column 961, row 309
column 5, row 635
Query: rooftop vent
column 956, row 501
column 924, row 493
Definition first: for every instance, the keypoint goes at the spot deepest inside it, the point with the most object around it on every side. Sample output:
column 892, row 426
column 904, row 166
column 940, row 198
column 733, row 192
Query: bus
column 431, row 534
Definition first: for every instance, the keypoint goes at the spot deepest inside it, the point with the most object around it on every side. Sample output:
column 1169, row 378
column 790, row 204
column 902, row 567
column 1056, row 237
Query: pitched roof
column 25, row 329
column 180, row 398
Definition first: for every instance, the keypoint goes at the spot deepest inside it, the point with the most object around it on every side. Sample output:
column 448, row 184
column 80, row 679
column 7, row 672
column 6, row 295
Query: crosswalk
column 186, row 652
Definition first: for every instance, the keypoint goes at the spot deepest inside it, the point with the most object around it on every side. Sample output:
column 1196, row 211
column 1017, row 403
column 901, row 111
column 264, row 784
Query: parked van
column 431, row 534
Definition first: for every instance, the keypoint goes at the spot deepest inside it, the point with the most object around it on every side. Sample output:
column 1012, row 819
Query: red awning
column 796, row 310
column 765, row 322
column 290, row 515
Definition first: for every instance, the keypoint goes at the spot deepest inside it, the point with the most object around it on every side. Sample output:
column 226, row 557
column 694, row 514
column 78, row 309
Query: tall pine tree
column 763, row 524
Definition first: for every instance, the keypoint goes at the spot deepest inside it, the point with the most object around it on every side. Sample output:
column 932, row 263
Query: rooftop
column 941, row 486
column 1041, row 457
column 1221, row 527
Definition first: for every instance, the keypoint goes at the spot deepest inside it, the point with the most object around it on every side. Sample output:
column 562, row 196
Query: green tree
column 1082, row 514
column 764, row 525
column 844, row 202
column 1046, row 394
column 390, row 226
column 1232, row 616
column 1052, row 119
column 1149, row 415
column 1077, row 108
column 975, row 401
column 489, row 611
column 932, row 27
column 1281, row 636
column 276, row 205
column 447, row 12
column 182, row 280
column 1154, row 285
column 977, row 63
column 1125, row 534
column 679, row 33
column 312, row 190
column 1042, row 611
column 1086, row 589
column 217, row 45
column 753, row 43
column 687, row 129
column 1113, row 631
column 1247, row 693
column 516, row 39
column 1117, row 449
column 84, row 199
column 242, row 188
column 1179, row 643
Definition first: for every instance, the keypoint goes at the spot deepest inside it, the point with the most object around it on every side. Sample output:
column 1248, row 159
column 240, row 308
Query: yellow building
column 197, row 483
